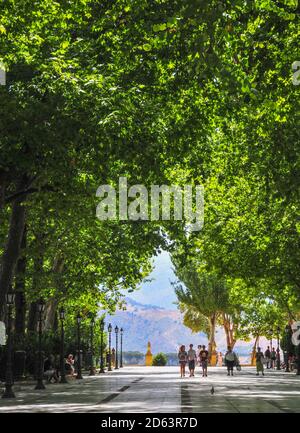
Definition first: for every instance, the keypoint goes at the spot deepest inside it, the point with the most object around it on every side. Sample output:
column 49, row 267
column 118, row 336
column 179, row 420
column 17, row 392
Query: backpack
column 230, row 356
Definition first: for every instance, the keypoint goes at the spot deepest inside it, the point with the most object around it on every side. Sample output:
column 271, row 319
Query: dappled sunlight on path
column 160, row 389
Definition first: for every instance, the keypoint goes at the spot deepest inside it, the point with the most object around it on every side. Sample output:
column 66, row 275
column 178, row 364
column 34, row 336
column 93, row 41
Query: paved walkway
column 159, row 389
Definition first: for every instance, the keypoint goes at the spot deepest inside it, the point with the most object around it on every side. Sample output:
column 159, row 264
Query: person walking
column 220, row 359
column 199, row 348
column 204, row 360
column 191, row 355
column 268, row 357
column 113, row 357
column 273, row 358
column 182, row 356
column 231, row 360
column 259, row 362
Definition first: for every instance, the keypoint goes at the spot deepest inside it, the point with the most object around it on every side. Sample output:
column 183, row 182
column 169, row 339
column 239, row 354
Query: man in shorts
column 204, row 360
column 192, row 360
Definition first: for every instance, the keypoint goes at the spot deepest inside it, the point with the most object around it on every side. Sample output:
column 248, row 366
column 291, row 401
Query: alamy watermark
column 161, row 202
column 296, row 74
column 2, row 75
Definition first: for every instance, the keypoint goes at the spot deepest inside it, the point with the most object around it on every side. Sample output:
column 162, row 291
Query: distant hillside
column 163, row 328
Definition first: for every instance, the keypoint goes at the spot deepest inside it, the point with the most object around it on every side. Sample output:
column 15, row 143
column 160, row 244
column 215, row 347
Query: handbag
column 238, row 367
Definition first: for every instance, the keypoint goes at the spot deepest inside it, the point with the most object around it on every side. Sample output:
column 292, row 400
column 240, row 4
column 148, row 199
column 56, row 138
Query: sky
column 158, row 292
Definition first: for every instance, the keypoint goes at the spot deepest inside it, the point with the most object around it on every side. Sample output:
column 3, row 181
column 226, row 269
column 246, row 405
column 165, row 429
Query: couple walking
column 191, row 357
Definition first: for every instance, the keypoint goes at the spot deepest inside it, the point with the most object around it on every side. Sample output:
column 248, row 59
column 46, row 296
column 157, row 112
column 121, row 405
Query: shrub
column 159, row 360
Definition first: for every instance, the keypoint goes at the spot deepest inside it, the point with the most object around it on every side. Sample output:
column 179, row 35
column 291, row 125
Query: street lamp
column 40, row 309
column 121, row 358
column 8, row 393
column 109, row 346
column 102, row 324
column 92, row 371
column 79, row 375
column 278, row 350
column 62, row 347
column 288, row 343
column 271, row 339
column 116, row 361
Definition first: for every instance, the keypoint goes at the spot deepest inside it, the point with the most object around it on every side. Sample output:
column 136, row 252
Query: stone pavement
column 160, row 389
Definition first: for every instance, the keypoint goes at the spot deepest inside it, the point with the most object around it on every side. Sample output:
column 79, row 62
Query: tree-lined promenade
column 164, row 93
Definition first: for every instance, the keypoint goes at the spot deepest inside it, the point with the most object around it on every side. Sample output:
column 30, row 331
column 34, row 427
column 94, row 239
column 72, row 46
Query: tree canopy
column 161, row 92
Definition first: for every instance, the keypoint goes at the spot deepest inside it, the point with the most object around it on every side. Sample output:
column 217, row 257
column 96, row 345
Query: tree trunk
column 2, row 188
column 229, row 329
column 20, row 300
column 226, row 327
column 212, row 332
column 32, row 318
column 50, row 312
column 11, row 251
column 254, row 350
column 232, row 337
column 51, row 306
column 33, row 315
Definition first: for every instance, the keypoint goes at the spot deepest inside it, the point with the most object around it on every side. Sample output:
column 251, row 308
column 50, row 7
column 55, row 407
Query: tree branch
column 26, row 192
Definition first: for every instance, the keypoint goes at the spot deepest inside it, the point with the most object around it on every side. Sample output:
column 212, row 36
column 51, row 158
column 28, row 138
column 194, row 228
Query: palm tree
column 203, row 298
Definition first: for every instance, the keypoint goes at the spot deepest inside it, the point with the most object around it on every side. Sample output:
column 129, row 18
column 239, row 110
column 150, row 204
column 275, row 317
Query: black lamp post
column 278, row 350
column 109, row 346
column 8, row 393
column 79, row 375
column 288, row 343
column 271, row 339
column 92, row 324
column 102, row 324
column 121, row 356
column 40, row 384
column 117, row 361
column 62, row 347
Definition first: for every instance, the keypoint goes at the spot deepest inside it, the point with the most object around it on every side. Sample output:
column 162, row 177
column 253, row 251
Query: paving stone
column 161, row 390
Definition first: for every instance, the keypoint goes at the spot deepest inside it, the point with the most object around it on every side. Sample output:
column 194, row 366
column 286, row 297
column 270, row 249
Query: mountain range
column 164, row 329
